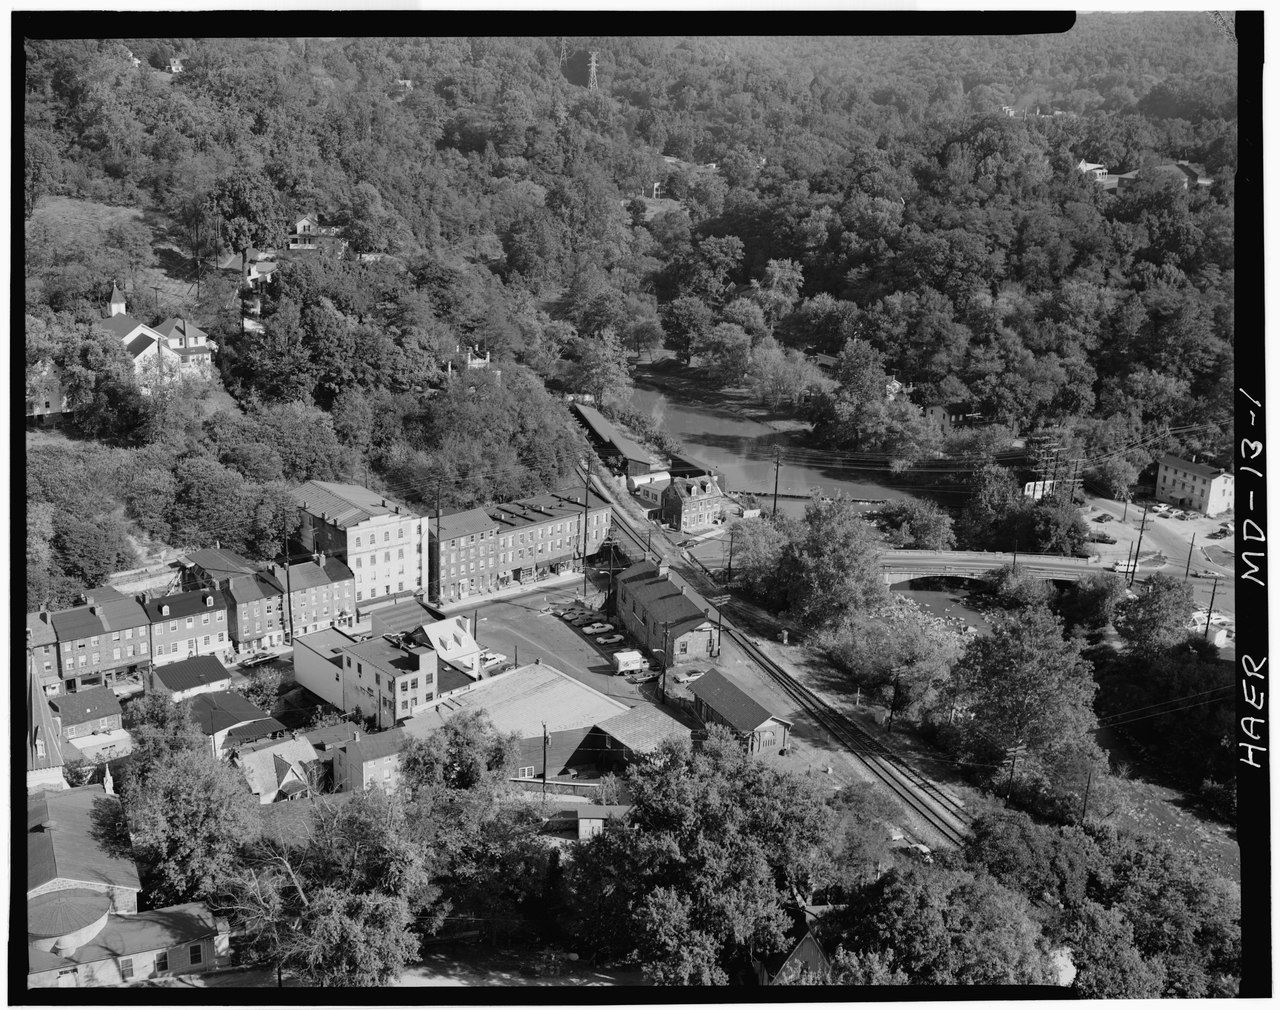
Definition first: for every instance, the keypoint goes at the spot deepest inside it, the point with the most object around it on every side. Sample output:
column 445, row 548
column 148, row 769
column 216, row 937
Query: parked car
column 585, row 619
column 689, row 677
column 257, row 659
column 597, row 629
column 643, row 678
column 1101, row 538
column 610, row 639
column 488, row 659
column 1106, row 517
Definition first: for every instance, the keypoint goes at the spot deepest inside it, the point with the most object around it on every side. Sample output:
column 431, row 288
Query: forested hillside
column 867, row 193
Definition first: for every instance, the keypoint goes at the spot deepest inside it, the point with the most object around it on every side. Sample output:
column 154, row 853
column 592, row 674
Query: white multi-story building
column 382, row 542
column 1196, row 486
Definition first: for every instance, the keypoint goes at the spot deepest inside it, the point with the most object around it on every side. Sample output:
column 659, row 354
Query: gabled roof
column 118, row 611
column 465, row 523
column 176, row 326
column 1199, row 469
column 75, row 624
column 139, row 345
column 247, row 588
column 662, row 599
column 374, row 746
column 346, row 505
column 218, row 710
column 695, row 487
column 643, row 727
column 220, row 563
column 96, row 703
column 267, row 767
column 250, row 732
column 198, row 671
column 327, row 736
column 70, row 849
column 407, row 615
column 731, row 703
column 141, row 932
column 41, row 629
column 185, row 605
column 124, row 325
column 42, row 734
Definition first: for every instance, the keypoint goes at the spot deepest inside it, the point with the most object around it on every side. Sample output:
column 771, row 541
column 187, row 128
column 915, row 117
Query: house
column 175, row 64
column 404, row 83
column 1196, row 486
column 258, row 269
column 1183, row 172
column 278, row 770
column 46, row 397
column 480, row 550
column 73, row 942
column 650, row 494
column 154, row 361
column 453, row 644
column 85, row 713
column 44, row 743
column 105, row 641
column 586, row 820
column 368, row 760
column 255, row 612
column 690, row 504
column 42, row 652
column 893, row 388
column 65, row 848
column 718, row 700
column 318, row 666
column 184, row 625
column 531, row 701
column 630, row 735
column 213, row 568
column 189, row 677
column 802, row 957
column 1095, row 172
column 321, row 594
column 665, row 617
column 191, row 344
column 231, row 721
column 314, row 232
column 381, row 541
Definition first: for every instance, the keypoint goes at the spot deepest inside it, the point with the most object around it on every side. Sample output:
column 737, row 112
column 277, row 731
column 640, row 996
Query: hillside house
column 665, row 617
column 315, row 232
column 191, row 344
column 1098, row 173
column 1190, row 485
column 719, row 701
column 45, row 395
column 259, row 268
column 230, row 721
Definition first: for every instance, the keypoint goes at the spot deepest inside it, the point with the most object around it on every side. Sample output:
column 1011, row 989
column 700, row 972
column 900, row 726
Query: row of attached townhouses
column 393, row 551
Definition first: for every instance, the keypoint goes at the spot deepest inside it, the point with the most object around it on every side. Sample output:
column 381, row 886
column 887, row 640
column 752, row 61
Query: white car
column 609, row 639
column 597, row 629
column 488, row 659
column 690, row 677
column 643, row 678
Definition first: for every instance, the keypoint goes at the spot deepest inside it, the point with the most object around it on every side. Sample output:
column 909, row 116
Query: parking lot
column 522, row 629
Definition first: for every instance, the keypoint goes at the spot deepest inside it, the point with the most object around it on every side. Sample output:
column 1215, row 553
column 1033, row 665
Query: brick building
column 106, row 641
column 184, row 625
column 665, row 616
column 692, row 503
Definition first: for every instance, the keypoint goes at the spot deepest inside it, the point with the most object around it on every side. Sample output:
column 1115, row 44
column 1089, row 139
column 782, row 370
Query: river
column 718, row 431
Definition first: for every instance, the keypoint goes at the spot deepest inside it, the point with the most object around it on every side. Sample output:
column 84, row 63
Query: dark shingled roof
column 259, row 730
column 221, row 563
column 379, row 745
column 326, row 736
column 96, row 703
column 75, row 624
column 194, row 672
column 1199, row 469
column 660, row 597
column 465, row 523
column 185, row 605
column 219, row 710
column 731, row 703
column 158, row 929
column 70, row 850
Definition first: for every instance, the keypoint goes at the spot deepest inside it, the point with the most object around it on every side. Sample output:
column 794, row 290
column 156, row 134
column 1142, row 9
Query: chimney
column 356, row 736
column 682, row 590
column 663, row 569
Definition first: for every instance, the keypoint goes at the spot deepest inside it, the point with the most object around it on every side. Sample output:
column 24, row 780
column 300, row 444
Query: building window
column 206, row 640
column 400, row 533
column 162, row 961
column 204, row 619
column 526, row 771
column 357, row 541
column 93, row 640
column 197, row 954
column 126, row 968
column 404, row 705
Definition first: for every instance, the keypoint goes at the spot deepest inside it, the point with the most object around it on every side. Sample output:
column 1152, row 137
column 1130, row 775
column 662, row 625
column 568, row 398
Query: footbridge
column 900, row 566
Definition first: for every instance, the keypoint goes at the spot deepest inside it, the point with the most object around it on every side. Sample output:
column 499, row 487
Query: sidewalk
column 560, row 581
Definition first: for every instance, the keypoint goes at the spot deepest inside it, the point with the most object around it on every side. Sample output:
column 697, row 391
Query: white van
column 628, row 662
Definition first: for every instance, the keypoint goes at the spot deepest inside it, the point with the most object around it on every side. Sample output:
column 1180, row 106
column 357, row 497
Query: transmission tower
column 564, row 51
column 591, row 82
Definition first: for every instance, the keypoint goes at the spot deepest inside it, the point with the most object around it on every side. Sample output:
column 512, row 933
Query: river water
column 711, row 429
column 716, row 433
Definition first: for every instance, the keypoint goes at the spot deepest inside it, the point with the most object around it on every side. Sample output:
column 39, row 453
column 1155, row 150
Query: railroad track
column 920, row 794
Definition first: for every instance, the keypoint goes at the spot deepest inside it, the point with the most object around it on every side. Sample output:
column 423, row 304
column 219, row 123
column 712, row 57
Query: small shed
column 718, row 700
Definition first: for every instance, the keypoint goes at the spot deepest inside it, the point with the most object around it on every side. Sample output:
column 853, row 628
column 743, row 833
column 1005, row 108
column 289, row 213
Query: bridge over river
column 901, row 566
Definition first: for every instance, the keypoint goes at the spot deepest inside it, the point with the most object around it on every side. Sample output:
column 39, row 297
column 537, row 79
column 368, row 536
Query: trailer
column 628, row 661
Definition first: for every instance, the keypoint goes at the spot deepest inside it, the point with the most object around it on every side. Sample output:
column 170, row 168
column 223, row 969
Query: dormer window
column 164, row 610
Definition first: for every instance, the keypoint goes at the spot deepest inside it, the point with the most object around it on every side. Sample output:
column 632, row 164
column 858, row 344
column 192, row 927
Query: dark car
column 257, row 659
column 1101, row 538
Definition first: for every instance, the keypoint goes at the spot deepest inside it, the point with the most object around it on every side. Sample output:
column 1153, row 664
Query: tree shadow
column 174, row 265
column 108, row 827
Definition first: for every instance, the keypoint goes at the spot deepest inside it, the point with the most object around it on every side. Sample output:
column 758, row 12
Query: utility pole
column 1084, row 813
column 586, row 505
column 666, row 633
column 475, row 625
column 1138, row 547
column 1209, row 616
column 592, row 84
column 731, row 555
column 1187, row 574
column 439, row 566
column 777, row 465
column 288, row 583
column 544, row 764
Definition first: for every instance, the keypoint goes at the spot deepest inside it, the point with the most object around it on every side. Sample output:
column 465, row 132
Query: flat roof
column 347, row 505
